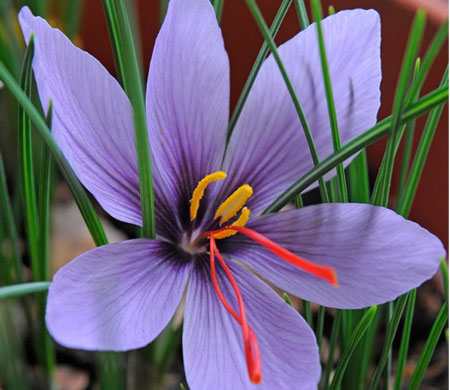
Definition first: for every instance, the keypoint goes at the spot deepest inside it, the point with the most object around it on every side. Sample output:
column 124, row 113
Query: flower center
column 227, row 210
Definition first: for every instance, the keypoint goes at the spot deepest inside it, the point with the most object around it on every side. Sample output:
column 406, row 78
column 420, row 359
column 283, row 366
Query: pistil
column 251, row 348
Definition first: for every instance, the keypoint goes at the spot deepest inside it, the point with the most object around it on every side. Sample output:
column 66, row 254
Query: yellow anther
column 241, row 221
column 233, row 203
column 199, row 191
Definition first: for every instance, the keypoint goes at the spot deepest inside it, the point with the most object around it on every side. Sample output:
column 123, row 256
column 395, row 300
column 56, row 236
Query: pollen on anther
column 230, row 207
column 199, row 191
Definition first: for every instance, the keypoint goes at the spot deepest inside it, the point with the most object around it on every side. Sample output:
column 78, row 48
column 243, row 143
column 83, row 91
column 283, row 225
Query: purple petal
column 188, row 94
column 116, row 297
column 268, row 148
column 213, row 351
column 92, row 120
column 378, row 255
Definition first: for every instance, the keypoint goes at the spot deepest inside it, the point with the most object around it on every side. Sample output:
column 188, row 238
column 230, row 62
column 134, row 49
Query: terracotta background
column 243, row 40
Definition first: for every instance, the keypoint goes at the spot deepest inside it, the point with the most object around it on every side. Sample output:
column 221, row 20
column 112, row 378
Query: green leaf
column 407, row 196
column 125, row 49
column 429, row 348
column 301, row 13
column 269, row 39
column 444, row 271
column 333, row 341
column 72, row 17
column 389, row 339
column 356, row 337
column 382, row 185
column 27, row 167
column 279, row 17
column 6, row 213
column 16, row 290
column 375, row 133
column 358, row 177
column 78, row 192
column 404, row 344
column 341, row 182
column 218, row 8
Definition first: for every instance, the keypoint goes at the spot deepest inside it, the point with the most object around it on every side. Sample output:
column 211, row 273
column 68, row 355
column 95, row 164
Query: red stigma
column 251, row 347
column 321, row 271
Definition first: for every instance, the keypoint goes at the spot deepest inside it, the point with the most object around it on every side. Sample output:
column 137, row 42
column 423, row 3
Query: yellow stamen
column 199, row 191
column 233, row 203
column 240, row 222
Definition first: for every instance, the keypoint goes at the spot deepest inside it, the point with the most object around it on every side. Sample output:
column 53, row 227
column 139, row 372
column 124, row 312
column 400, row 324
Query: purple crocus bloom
column 121, row 296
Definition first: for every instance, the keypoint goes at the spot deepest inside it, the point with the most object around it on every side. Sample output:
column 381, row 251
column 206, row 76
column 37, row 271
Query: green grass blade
column 111, row 371
column 358, row 177
column 312, row 148
column 301, row 13
column 404, row 344
column 279, row 17
column 333, row 341
column 382, row 184
column 78, row 192
column 6, row 213
column 12, row 359
column 218, row 8
column 72, row 17
column 428, row 61
column 16, row 290
column 331, row 10
column 407, row 196
column 389, row 339
column 444, row 272
column 341, row 182
column 27, row 167
column 374, row 134
column 356, row 337
column 319, row 326
column 409, row 138
column 429, row 348
column 132, row 80
column 44, row 202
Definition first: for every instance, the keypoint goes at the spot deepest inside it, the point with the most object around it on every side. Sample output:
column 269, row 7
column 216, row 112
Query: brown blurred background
column 243, row 40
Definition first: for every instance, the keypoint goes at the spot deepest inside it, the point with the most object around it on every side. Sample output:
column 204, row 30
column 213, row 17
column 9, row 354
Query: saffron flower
column 238, row 333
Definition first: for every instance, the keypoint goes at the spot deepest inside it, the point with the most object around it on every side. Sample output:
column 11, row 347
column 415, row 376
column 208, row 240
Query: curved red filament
column 321, row 271
column 252, row 354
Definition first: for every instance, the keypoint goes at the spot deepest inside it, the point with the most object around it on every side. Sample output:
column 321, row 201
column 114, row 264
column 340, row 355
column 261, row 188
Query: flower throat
column 227, row 210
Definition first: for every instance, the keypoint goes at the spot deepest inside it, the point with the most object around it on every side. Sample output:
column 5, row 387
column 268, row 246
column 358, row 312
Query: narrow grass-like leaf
column 116, row 13
column 163, row 5
column 340, row 177
column 307, row 313
column 428, row 60
column 357, row 144
column 382, row 185
column 44, row 201
column 358, row 177
column 111, row 371
column 16, row 290
column 409, row 138
column 218, row 8
column 301, row 13
column 72, row 17
column 331, row 10
column 319, row 326
column 389, row 339
column 12, row 359
column 279, row 17
column 407, row 196
column 78, row 192
column 444, row 272
column 404, row 344
column 335, row 330
column 429, row 348
column 312, row 148
column 287, row 299
column 356, row 337
column 27, row 167
column 115, row 37
column 6, row 213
